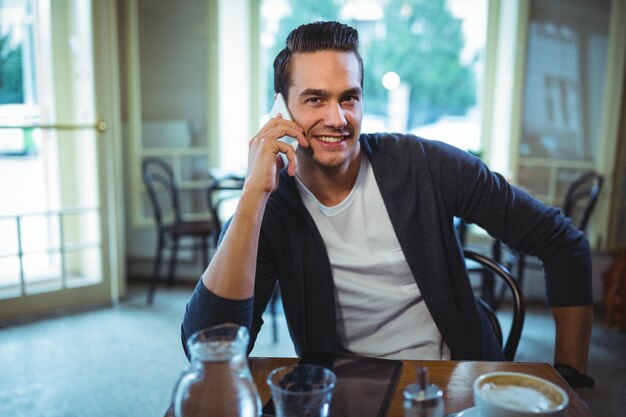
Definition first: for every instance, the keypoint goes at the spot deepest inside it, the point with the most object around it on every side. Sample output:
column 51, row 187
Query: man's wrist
column 573, row 377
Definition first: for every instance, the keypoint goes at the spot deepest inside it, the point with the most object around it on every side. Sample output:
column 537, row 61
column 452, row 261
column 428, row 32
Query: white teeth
column 330, row 139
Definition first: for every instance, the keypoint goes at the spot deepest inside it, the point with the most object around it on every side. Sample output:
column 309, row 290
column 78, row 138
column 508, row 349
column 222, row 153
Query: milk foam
column 519, row 397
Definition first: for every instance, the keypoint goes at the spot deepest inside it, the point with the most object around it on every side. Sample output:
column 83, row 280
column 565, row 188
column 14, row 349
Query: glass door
column 52, row 253
column 564, row 79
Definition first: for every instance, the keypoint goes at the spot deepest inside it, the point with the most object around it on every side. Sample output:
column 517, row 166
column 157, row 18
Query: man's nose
column 335, row 116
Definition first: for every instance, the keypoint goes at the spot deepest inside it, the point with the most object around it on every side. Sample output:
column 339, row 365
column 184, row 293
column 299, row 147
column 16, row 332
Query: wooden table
column 455, row 378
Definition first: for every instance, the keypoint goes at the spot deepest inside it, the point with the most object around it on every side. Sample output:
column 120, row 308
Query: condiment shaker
column 423, row 399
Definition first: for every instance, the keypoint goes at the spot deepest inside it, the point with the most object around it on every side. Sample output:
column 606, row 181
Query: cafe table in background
column 455, row 378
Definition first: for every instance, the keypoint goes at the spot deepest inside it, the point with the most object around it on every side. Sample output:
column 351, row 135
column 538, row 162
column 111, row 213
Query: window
column 17, row 82
column 171, row 62
column 422, row 61
column 50, row 225
column 563, row 94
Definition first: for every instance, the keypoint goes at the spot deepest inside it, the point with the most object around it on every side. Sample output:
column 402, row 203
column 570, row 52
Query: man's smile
column 331, row 139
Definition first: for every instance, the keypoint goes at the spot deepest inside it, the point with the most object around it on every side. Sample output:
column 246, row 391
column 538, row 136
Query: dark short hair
column 313, row 37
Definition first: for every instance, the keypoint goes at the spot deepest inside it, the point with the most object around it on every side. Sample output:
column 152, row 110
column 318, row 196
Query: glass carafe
column 218, row 381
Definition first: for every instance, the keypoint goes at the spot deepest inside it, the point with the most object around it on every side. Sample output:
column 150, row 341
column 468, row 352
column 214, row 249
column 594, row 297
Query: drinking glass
column 302, row 390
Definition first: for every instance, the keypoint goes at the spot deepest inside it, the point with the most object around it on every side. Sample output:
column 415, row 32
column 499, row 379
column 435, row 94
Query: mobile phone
column 365, row 386
column 280, row 106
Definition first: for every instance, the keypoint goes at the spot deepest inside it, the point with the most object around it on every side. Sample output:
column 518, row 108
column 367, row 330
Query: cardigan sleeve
column 519, row 220
column 206, row 309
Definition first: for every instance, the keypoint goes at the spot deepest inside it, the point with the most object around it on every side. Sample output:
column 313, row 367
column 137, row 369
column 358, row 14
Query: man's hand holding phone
column 231, row 272
column 280, row 135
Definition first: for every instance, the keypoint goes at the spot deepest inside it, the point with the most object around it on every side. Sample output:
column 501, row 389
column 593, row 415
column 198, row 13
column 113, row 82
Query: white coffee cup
column 514, row 394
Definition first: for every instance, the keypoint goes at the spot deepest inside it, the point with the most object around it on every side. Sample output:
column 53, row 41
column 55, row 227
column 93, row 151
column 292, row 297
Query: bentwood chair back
column 581, row 198
column 509, row 347
column 171, row 228
column 221, row 191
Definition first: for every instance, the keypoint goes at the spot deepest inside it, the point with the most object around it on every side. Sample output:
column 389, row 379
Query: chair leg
column 156, row 269
column 273, row 302
column 487, row 288
column 496, row 250
column 213, row 243
column 173, row 259
column 205, row 251
column 521, row 265
column 517, row 264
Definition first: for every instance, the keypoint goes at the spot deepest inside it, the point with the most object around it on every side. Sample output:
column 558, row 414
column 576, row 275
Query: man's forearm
column 573, row 335
column 231, row 272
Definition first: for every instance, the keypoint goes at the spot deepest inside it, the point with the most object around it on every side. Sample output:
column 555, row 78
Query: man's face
column 325, row 99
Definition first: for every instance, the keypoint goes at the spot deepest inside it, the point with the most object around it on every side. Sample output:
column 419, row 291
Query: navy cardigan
column 424, row 185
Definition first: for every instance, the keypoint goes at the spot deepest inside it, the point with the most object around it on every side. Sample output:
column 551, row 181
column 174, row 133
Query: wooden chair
column 519, row 306
column 580, row 200
column 220, row 191
column 158, row 177
column 579, row 203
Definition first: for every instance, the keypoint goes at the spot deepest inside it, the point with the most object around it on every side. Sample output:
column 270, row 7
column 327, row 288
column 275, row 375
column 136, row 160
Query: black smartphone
column 365, row 386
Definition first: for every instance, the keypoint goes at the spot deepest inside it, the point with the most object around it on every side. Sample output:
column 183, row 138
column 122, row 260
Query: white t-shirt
column 379, row 308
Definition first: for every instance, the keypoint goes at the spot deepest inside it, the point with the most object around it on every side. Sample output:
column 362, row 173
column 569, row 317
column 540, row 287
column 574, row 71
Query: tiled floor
column 125, row 360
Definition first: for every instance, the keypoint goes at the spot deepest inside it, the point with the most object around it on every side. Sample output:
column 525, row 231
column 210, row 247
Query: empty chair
column 519, row 307
column 221, row 191
column 580, row 200
column 158, row 177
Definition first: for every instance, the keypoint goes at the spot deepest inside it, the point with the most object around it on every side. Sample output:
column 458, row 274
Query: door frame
column 110, row 173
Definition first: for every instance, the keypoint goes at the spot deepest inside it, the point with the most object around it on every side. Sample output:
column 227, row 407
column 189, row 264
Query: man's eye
column 350, row 99
column 313, row 100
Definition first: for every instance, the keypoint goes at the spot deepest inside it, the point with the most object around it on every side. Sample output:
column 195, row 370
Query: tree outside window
column 431, row 57
column 18, row 104
column 11, row 85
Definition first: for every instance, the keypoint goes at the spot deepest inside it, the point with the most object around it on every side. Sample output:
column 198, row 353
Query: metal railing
column 62, row 248
column 101, row 126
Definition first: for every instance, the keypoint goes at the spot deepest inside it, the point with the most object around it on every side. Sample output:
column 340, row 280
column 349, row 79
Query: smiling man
column 358, row 228
column 330, row 114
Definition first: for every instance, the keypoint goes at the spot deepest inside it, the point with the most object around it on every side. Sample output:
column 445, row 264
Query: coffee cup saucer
column 468, row 412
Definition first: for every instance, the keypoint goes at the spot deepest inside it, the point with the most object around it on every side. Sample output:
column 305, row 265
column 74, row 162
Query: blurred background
column 91, row 89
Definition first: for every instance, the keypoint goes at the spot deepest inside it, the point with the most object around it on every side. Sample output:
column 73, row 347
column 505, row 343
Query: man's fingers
column 302, row 140
column 278, row 127
column 271, row 124
column 290, row 153
column 286, row 130
column 280, row 164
